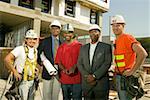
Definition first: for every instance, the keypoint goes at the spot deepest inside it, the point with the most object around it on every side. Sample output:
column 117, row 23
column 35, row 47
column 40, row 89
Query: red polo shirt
column 68, row 55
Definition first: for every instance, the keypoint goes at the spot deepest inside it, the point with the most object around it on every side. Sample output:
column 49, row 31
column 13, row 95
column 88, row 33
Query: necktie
column 56, row 44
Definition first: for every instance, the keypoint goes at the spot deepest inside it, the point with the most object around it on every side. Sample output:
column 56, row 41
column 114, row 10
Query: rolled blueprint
column 49, row 67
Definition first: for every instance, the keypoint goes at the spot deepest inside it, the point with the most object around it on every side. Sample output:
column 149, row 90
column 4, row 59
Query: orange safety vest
column 123, row 53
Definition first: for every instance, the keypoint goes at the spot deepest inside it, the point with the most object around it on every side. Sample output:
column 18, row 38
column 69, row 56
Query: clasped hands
column 90, row 79
column 69, row 71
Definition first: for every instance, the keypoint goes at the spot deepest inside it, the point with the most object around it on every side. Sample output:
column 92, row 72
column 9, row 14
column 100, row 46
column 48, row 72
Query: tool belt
column 29, row 78
column 132, row 86
column 13, row 92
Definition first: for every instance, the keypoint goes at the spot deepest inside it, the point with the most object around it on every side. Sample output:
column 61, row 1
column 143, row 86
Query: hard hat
column 68, row 28
column 95, row 26
column 117, row 19
column 55, row 23
column 31, row 34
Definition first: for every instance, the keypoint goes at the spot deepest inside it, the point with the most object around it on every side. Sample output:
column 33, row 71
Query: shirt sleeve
column 16, row 51
column 130, row 40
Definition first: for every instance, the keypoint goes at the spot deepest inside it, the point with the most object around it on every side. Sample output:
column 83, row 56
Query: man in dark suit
column 48, row 46
column 94, row 61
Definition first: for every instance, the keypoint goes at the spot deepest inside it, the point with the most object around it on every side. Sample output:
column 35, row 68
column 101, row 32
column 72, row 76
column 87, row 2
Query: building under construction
column 17, row 16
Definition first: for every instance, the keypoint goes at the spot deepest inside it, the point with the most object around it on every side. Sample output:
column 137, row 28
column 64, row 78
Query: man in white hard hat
column 66, row 58
column 93, row 62
column 49, row 46
column 22, row 62
column 129, row 56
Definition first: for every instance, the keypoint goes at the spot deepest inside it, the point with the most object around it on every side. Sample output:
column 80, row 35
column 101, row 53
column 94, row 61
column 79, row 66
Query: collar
column 94, row 43
column 55, row 37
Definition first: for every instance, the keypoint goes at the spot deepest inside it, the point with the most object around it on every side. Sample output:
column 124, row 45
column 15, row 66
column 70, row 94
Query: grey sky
column 136, row 14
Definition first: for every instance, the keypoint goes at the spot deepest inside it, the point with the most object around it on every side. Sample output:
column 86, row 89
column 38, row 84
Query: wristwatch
column 94, row 76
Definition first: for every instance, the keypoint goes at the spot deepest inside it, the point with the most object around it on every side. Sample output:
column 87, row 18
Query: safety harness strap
column 29, row 66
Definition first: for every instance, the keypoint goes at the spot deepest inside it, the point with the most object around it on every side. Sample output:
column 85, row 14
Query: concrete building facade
column 16, row 16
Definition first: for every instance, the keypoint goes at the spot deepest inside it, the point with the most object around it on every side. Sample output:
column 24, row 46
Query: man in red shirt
column 66, row 58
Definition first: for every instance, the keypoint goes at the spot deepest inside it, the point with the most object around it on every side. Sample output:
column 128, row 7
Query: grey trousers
column 51, row 89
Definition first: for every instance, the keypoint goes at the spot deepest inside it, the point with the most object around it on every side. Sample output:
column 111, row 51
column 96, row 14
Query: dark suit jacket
column 46, row 47
column 100, row 64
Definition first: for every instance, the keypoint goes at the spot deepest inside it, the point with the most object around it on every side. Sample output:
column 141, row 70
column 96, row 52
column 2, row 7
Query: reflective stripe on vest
column 29, row 66
column 119, row 57
column 120, row 61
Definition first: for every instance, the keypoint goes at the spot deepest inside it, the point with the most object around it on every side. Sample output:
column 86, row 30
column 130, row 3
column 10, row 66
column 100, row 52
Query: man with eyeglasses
column 49, row 46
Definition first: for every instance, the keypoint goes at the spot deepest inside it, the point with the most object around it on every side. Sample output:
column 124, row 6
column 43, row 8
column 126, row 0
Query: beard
column 94, row 38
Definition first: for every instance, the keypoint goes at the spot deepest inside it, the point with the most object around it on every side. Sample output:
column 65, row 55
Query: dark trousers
column 73, row 91
column 96, row 95
column 100, row 91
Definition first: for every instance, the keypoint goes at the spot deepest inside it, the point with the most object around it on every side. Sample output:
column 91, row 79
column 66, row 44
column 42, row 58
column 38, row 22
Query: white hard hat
column 55, row 23
column 94, row 26
column 31, row 34
column 117, row 19
column 68, row 28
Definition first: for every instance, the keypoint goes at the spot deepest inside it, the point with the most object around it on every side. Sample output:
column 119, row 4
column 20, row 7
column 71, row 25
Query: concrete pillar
column 61, row 7
column 37, row 4
column 15, row 2
column 100, row 18
column 52, row 8
column 37, row 25
column 77, row 11
column 57, row 7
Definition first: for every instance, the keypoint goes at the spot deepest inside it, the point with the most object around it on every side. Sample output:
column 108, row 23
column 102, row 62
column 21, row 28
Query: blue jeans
column 73, row 91
column 122, row 93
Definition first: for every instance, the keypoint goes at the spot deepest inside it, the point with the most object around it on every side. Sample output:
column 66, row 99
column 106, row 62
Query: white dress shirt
column 91, row 51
